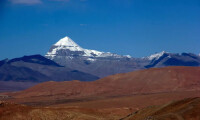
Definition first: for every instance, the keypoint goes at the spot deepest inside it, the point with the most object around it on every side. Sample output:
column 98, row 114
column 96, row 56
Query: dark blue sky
column 135, row 27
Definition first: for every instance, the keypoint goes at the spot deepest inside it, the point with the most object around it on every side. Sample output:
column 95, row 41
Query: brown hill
column 155, row 80
column 12, row 111
column 187, row 109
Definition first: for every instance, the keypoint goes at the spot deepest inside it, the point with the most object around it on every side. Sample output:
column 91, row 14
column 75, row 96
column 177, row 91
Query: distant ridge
column 34, row 59
column 21, row 73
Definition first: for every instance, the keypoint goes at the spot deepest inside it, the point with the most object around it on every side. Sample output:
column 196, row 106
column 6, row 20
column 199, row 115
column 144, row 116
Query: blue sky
column 135, row 27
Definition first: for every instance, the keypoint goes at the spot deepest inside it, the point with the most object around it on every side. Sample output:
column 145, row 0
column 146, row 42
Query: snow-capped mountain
column 173, row 59
column 68, row 61
column 67, row 47
column 67, row 53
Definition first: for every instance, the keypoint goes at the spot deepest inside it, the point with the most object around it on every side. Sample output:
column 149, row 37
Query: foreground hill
column 21, row 73
column 187, row 109
column 12, row 111
column 149, row 81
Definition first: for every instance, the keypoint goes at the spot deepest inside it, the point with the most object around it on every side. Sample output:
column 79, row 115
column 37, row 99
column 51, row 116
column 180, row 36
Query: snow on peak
column 66, row 41
column 68, row 44
column 157, row 55
column 128, row 56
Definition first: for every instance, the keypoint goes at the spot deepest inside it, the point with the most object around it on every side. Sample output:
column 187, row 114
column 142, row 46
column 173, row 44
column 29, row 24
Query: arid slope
column 12, row 111
column 155, row 80
column 187, row 109
column 113, row 97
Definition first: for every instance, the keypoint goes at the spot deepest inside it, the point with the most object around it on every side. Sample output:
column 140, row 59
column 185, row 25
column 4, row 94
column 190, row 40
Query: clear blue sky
column 135, row 27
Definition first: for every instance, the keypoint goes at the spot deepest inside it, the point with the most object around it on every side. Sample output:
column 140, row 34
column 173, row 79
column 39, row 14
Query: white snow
column 156, row 56
column 92, row 53
column 91, row 59
column 128, row 56
column 67, row 43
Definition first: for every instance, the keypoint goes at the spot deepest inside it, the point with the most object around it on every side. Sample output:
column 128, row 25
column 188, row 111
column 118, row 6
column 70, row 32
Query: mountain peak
column 67, row 47
column 66, row 41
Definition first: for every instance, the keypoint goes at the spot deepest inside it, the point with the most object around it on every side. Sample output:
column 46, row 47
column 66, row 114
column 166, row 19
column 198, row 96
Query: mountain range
column 67, row 53
column 71, row 82
column 67, row 61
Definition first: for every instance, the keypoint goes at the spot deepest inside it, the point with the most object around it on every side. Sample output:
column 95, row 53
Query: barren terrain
column 110, row 98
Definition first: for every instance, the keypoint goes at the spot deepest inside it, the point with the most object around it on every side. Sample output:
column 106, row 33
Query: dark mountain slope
column 170, row 59
column 36, row 69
